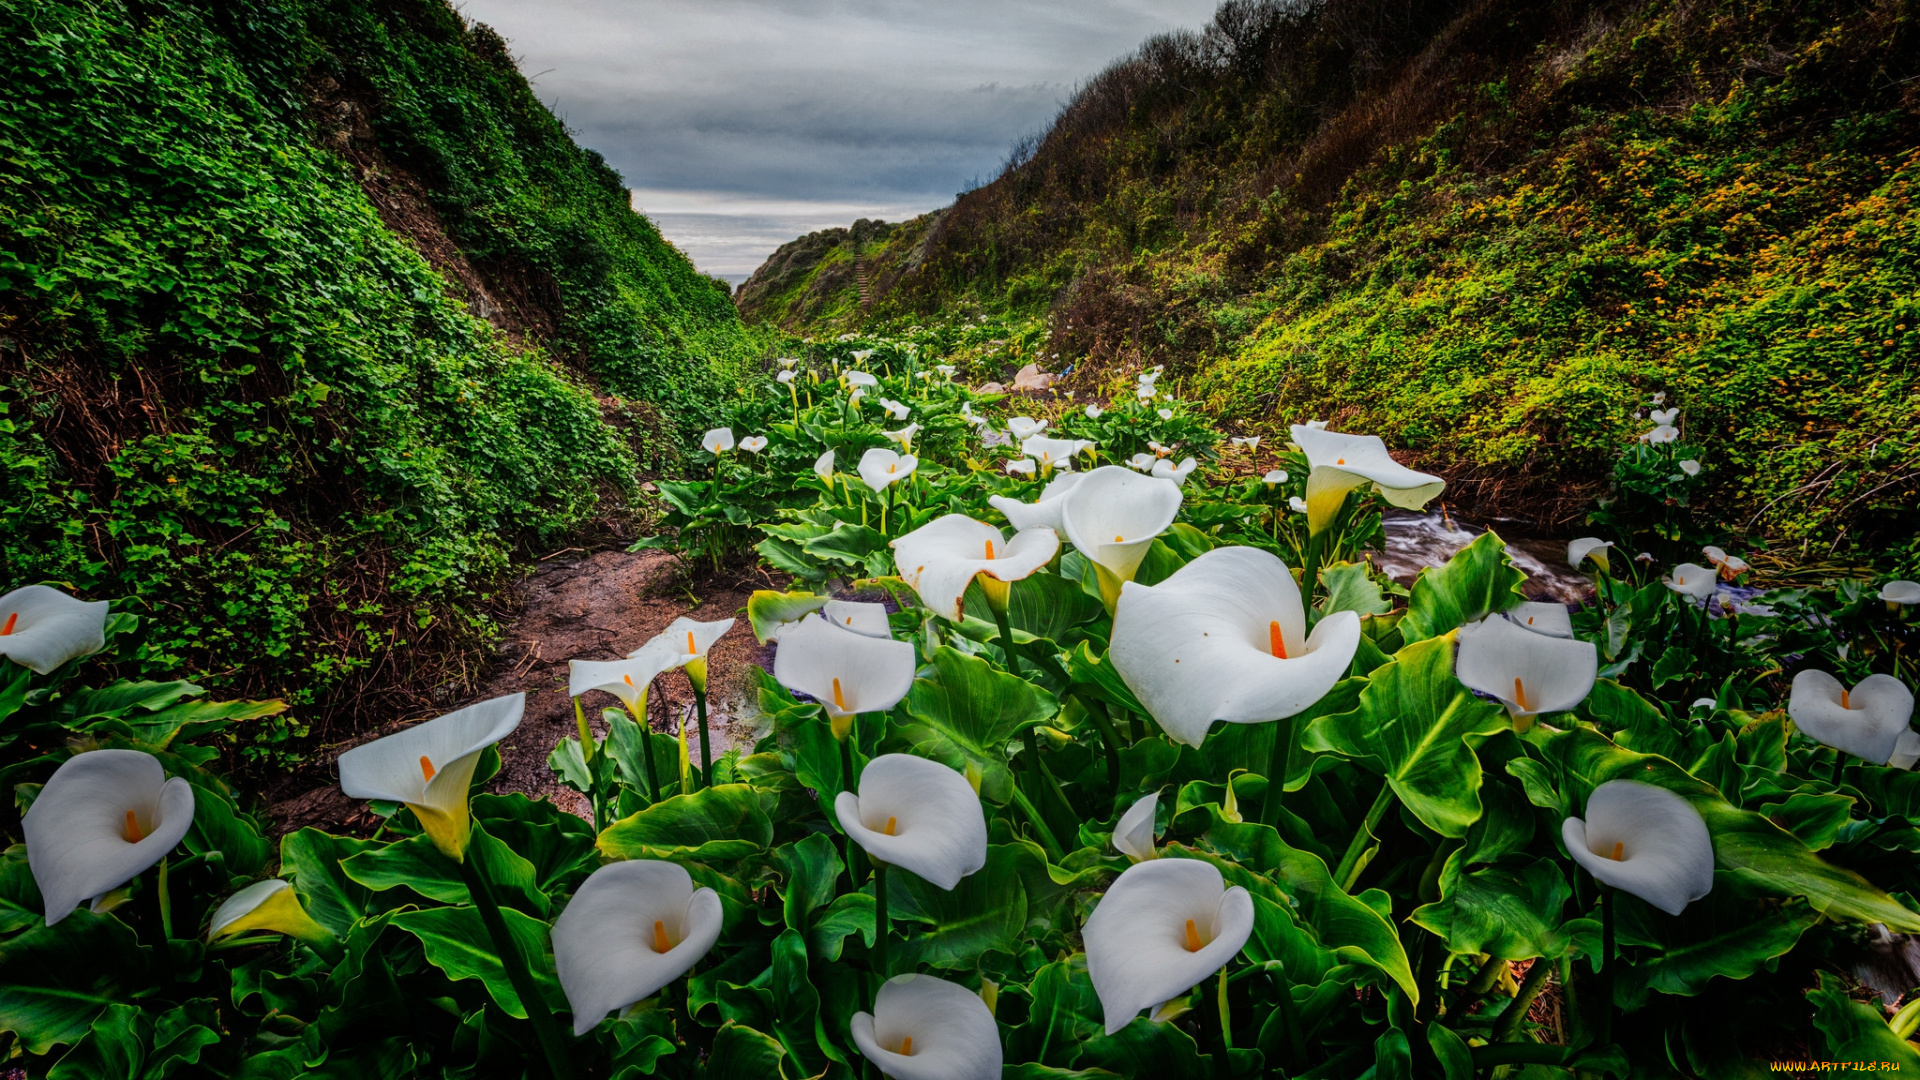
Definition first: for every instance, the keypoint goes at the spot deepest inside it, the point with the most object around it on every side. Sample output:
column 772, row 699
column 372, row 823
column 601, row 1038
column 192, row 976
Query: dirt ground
column 596, row 606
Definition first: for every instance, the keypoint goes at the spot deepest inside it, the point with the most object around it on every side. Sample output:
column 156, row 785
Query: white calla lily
column 270, row 905
column 1663, row 434
column 717, row 441
column 630, row 929
column 1042, row 514
column 861, row 379
column 1142, row 462
column 895, row 409
column 1251, row 442
column 1664, row 416
column 1121, row 504
column 1338, row 463
column 1050, row 453
column 1161, row 929
column 784, row 377
column 861, row 617
column 881, row 468
column 1552, row 620
column 823, row 467
column 1167, row 470
column 941, row 558
column 1133, row 835
column 787, row 361
column 753, row 444
column 1094, row 412
column 429, row 767
column 926, row 1028
column 1692, row 579
column 1023, row 466
column 1225, row 639
column 1276, row 476
column 1691, row 467
column 1529, row 672
column 100, row 821
column 1644, row 840
column 1166, row 414
column 690, row 638
column 1296, row 504
column 1900, row 592
column 1025, row 427
column 42, row 627
column 946, row 370
column 916, row 814
column 1144, row 392
column 1868, row 721
column 846, row 672
column 904, row 436
column 626, row 679
column 1588, row 547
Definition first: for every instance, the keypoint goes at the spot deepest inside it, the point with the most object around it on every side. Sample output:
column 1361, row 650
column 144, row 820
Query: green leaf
column 741, row 1053
column 1854, row 1031
column 968, row 711
column 1417, row 726
column 414, row 863
column 768, row 610
column 58, row 978
column 115, row 1046
column 456, row 941
column 713, row 824
column 556, row 844
column 1097, row 673
column 986, row 911
column 1350, row 587
column 812, row 867
column 1511, row 913
column 1479, row 580
column 312, row 860
column 1722, row 935
column 1674, row 663
column 1633, row 721
column 847, row 543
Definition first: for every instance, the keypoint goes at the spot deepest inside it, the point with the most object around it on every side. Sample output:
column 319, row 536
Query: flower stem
column 1352, row 862
column 1000, row 620
column 1222, row 1064
column 1110, row 740
column 166, row 902
column 1516, row 1013
column 1054, row 854
column 706, row 752
column 559, row 1066
column 880, row 921
column 1295, row 1058
column 646, row 750
column 847, row 784
column 1278, row 767
column 1607, row 966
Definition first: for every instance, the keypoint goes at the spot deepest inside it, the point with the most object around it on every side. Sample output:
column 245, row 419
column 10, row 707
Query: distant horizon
column 740, row 125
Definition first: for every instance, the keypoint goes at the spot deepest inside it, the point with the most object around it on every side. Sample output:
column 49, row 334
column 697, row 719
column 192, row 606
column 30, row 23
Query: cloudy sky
column 741, row 124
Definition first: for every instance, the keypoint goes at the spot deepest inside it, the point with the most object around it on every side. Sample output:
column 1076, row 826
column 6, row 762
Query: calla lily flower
column 1025, row 427
column 1869, row 721
column 926, row 1028
column 1552, row 620
column 1338, row 463
column 1644, row 840
column 1691, row 467
column 787, row 361
column 1277, row 476
column 904, row 436
column 823, row 467
column 1130, row 508
column 1166, row 414
column 784, row 377
column 918, row 815
column 626, row 679
column 1023, row 466
column 753, row 444
column 1691, row 579
column 861, row 378
column 1664, row 416
column 630, row 929
column 100, row 821
column 1167, row 470
column 1529, row 672
column 941, row 558
column 1251, row 442
column 1043, row 514
column 1144, row 392
column 717, row 441
column 430, row 766
column 1052, row 453
column 1161, row 929
column 881, row 468
column 690, row 639
column 861, row 355
column 946, row 370
column 846, row 672
column 1660, row 398
column 1588, row 547
column 266, row 905
column 1900, row 592
column 42, row 627
column 1663, row 434
column 971, row 417
column 865, row 619
column 1296, row 504
column 1094, row 412
column 854, row 395
column 1133, row 836
column 895, row 409
column 1158, row 450
column 1142, row 462
column 1225, row 638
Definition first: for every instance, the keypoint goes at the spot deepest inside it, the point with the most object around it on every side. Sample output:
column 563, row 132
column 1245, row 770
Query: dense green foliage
column 235, row 395
column 1487, row 231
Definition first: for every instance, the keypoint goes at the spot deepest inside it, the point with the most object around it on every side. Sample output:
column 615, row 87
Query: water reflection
column 1416, row 541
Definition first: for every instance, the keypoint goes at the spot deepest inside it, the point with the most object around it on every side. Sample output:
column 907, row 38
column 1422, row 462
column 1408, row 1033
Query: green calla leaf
column 1725, row 934
column 1855, row 1032
column 767, row 610
column 456, row 941
column 1350, row 587
column 312, row 860
column 1417, row 726
column 1479, row 580
column 1509, row 912
column 986, row 911
column 59, row 978
column 742, row 1053
column 968, row 711
column 847, row 543
column 720, row 823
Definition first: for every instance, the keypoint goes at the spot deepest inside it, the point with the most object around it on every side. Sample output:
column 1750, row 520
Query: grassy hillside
column 1488, row 231
column 311, row 318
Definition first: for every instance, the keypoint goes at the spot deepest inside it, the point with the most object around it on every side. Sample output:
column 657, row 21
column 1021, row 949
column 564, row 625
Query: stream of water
column 1416, row 541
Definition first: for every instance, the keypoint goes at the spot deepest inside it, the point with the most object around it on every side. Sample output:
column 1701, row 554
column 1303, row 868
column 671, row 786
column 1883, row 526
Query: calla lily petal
column 1893, row 592
column 1644, row 840
column 1113, row 516
column 1023, row 466
column 42, row 627
column 823, row 466
column 1664, row 416
column 1276, row 476
column 1665, row 433
column 919, row 815
column 1866, row 721
column 868, row 620
column 266, row 905
column 1043, row 514
column 753, row 444
column 1552, row 620
column 846, row 672
column 1133, row 836
column 940, row 558
column 607, row 943
column 102, row 818
column 691, row 637
column 1588, row 547
column 1141, row 940
column 1167, row 470
column 926, row 1028
column 717, row 441
column 1691, row 579
column 1529, row 672
column 880, row 468
column 1225, row 638
column 430, row 766
column 1341, row 462
column 626, row 679
column 861, row 378
column 1025, row 427
column 1050, row 453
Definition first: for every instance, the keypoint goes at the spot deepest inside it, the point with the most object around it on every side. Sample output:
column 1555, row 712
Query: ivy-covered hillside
column 312, row 316
column 1484, row 230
